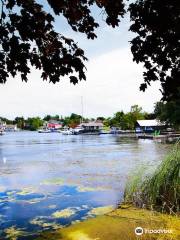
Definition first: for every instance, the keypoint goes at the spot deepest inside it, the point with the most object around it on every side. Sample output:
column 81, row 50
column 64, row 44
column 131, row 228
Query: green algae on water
column 101, row 210
column 55, row 181
column 89, row 189
column 14, row 233
column 65, row 213
column 44, row 224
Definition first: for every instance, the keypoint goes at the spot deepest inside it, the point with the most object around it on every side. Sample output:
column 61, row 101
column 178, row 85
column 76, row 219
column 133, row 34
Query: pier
column 164, row 138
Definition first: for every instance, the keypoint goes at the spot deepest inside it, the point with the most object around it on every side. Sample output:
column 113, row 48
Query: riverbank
column 120, row 224
column 158, row 192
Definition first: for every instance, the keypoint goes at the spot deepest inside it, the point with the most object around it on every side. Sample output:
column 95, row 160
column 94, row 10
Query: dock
column 164, row 138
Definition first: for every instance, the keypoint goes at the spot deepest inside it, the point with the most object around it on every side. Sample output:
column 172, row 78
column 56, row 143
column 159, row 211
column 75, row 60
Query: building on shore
column 10, row 128
column 89, row 128
column 53, row 124
column 149, row 126
column 92, row 126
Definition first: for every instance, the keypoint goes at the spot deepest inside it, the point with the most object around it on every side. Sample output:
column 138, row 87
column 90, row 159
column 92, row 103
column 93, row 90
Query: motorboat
column 44, row 130
column 2, row 133
column 67, row 132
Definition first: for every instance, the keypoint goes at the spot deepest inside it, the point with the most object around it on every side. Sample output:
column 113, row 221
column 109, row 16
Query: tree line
column 166, row 112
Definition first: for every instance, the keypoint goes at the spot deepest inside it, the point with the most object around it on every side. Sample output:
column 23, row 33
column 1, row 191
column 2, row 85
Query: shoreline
column 120, row 224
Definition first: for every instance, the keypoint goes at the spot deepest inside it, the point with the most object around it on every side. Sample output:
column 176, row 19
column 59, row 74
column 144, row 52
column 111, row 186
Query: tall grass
column 161, row 191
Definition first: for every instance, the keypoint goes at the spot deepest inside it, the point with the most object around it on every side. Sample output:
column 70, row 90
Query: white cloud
column 112, row 84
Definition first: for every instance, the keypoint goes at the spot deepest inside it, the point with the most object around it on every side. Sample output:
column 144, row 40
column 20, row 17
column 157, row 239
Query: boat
column 67, row 132
column 44, row 130
column 86, row 132
column 2, row 133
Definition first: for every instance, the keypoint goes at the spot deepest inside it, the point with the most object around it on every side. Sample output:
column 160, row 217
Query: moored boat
column 2, row 133
column 67, row 132
column 44, row 130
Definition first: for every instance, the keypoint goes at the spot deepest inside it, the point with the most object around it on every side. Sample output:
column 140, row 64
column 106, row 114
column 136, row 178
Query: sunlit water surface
column 48, row 181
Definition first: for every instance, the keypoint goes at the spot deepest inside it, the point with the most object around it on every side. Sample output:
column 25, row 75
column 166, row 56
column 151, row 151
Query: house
column 149, row 125
column 53, row 124
column 92, row 126
column 11, row 128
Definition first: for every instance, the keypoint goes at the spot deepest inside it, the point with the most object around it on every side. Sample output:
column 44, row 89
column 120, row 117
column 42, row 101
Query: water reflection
column 48, row 180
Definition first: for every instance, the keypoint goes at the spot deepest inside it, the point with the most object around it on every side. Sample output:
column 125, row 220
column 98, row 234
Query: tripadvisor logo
column 139, row 231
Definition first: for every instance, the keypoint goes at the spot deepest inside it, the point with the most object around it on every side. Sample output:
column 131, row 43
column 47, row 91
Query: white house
column 149, row 125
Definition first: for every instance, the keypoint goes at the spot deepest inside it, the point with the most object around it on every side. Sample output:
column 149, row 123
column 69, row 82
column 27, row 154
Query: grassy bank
column 161, row 191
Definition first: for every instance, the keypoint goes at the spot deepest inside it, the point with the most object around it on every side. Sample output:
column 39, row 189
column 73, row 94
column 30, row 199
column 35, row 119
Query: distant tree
column 100, row 119
column 150, row 116
column 126, row 120
column 47, row 118
column 28, row 38
column 56, row 117
column 5, row 120
column 107, row 122
column 20, row 121
column 117, row 120
column 169, row 112
column 34, row 123
column 73, row 120
column 136, row 112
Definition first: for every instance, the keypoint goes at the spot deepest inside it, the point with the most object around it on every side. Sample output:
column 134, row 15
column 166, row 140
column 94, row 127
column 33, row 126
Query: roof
column 150, row 123
column 92, row 124
column 11, row 125
column 54, row 122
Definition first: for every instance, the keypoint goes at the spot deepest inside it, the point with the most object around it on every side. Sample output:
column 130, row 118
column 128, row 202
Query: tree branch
column 2, row 2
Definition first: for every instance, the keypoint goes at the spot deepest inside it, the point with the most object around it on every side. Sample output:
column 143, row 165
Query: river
column 49, row 180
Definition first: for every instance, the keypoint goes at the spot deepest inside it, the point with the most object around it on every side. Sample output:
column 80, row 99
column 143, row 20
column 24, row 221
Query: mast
column 82, row 109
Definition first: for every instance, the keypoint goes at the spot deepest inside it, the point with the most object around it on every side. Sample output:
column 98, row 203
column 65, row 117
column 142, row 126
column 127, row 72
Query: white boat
column 44, row 130
column 2, row 133
column 67, row 132
column 77, row 130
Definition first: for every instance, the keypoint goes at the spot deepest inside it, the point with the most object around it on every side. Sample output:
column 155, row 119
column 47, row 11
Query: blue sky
column 112, row 84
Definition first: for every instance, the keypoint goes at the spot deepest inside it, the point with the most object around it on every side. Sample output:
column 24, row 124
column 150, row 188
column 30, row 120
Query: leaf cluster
column 157, row 43
column 28, row 37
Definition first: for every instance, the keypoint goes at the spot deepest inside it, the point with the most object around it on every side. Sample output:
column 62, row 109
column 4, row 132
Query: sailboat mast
column 82, row 109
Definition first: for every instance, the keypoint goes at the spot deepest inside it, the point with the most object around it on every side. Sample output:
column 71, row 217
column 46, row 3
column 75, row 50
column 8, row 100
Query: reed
column 160, row 191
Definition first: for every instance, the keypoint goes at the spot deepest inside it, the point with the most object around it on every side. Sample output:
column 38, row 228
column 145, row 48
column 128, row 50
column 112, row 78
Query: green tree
column 157, row 45
column 47, row 118
column 118, row 120
column 28, row 37
column 154, row 22
column 34, row 123
column 168, row 112
column 100, row 119
column 107, row 122
column 73, row 120
column 7, row 121
column 134, row 115
column 20, row 121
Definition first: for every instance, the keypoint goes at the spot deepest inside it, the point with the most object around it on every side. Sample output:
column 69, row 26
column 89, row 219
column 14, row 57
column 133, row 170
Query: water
column 50, row 180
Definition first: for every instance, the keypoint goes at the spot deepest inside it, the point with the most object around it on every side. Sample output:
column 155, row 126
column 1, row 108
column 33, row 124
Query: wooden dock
column 169, row 138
